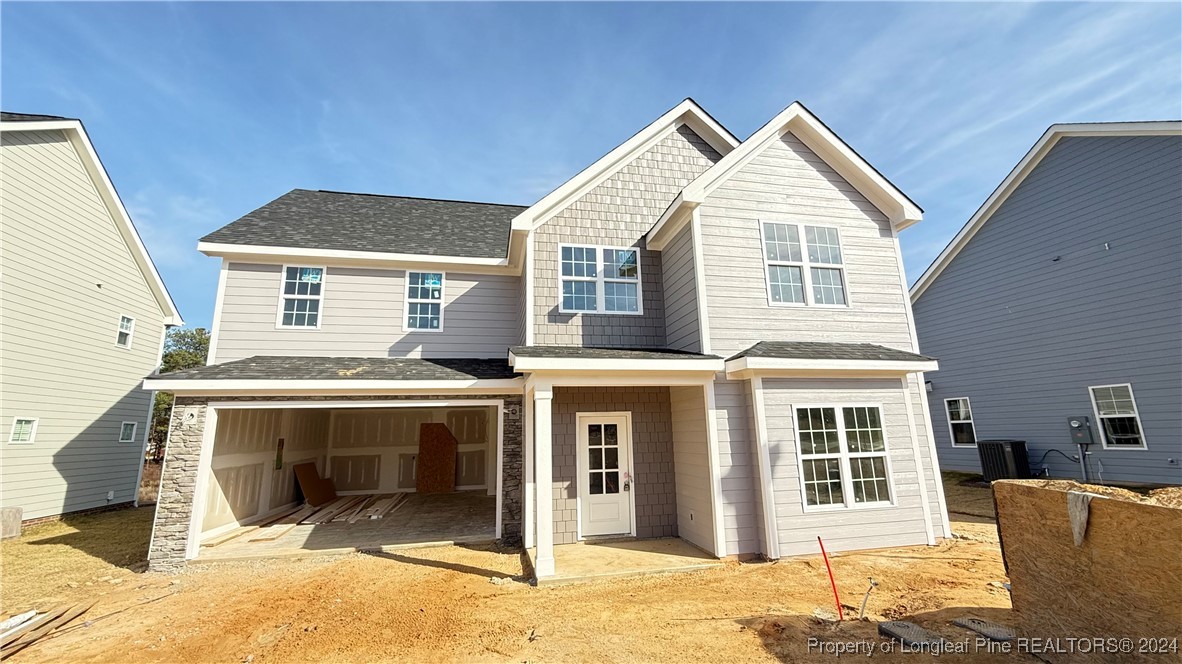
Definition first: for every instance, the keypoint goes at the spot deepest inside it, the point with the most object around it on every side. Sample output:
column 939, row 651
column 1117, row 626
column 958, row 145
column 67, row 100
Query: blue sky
column 203, row 112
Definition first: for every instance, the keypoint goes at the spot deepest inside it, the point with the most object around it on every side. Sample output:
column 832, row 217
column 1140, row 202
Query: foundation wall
column 1121, row 582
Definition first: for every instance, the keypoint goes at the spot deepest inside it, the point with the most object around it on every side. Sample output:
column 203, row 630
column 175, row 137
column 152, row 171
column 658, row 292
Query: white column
column 543, row 476
column 530, row 489
column 764, row 471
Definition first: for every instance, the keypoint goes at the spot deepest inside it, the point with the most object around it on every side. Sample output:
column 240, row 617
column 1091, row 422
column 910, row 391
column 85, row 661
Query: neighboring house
column 83, row 313
column 1061, row 298
column 693, row 337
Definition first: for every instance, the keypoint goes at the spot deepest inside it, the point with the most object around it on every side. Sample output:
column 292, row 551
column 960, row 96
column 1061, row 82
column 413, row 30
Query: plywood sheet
column 437, row 459
column 317, row 491
column 1122, row 581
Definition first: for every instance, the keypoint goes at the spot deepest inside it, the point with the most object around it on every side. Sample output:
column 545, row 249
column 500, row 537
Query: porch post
column 527, row 501
column 543, row 477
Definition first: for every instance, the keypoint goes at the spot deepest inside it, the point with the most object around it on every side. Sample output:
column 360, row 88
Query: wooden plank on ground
column 353, row 513
column 43, row 619
column 379, row 507
column 395, row 506
column 276, row 518
column 227, row 536
column 28, row 640
column 298, row 515
column 272, row 533
column 345, row 513
column 337, row 508
column 325, row 510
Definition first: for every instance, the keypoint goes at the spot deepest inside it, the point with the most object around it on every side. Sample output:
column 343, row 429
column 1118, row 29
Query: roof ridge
column 410, row 198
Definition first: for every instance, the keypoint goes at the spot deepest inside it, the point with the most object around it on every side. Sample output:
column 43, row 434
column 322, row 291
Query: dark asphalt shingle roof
column 608, row 353
column 348, row 368
column 822, row 350
column 8, row 116
column 368, row 222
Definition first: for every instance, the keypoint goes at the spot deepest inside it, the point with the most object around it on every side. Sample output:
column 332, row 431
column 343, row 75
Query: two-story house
column 83, row 314
column 1059, row 301
column 694, row 337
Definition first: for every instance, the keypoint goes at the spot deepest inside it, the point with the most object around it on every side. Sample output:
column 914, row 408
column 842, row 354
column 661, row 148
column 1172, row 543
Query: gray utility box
column 1003, row 460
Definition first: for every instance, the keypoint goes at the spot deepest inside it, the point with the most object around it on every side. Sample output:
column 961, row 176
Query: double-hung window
column 424, row 301
column 804, row 264
column 24, row 430
column 1120, row 423
column 126, row 329
column 843, row 456
column 300, row 296
column 602, row 280
column 960, row 422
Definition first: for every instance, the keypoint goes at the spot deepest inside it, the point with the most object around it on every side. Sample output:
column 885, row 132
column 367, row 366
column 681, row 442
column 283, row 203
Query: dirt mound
column 1170, row 496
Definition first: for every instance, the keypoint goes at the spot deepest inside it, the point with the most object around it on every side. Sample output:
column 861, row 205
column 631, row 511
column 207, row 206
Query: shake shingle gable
column 307, row 219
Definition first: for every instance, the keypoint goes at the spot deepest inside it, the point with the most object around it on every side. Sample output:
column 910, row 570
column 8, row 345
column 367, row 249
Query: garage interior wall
column 363, row 450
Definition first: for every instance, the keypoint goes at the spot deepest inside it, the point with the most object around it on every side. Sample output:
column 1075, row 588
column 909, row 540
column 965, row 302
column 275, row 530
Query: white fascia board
column 465, row 264
column 671, row 222
column 600, row 365
column 233, row 387
column 798, row 121
column 687, row 113
column 744, row 367
column 77, row 136
column 1020, row 172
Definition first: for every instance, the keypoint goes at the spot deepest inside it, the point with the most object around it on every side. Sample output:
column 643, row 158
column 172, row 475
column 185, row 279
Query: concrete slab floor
column 437, row 519
column 586, row 561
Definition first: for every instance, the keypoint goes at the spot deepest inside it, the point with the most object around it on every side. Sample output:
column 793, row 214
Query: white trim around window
column 868, row 429
column 805, row 259
column 306, row 297
column 575, row 261
column 125, row 332
column 424, row 295
column 1112, row 404
column 23, row 431
column 960, row 412
column 124, row 436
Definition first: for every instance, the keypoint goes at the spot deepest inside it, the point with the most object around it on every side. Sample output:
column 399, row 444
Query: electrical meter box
column 1081, row 429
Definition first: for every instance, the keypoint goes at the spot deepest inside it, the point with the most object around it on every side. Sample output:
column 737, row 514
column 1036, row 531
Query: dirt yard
column 436, row 605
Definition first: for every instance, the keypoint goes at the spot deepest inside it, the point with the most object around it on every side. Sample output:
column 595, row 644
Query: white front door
column 605, row 473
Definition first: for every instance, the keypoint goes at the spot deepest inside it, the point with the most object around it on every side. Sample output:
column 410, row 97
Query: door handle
column 627, row 485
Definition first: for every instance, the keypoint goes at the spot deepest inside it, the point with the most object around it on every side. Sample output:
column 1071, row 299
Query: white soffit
column 1036, row 154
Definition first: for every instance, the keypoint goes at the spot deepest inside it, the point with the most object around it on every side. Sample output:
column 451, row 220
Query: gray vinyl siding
column 68, row 277
column 617, row 212
column 691, row 466
column 740, row 497
column 652, row 456
column 847, row 529
column 1023, row 336
column 362, row 313
column 787, row 182
column 682, row 328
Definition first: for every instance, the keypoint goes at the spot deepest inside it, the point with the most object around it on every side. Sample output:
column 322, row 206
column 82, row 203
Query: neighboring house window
column 126, row 328
column 808, row 272
column 960, row 422
column 127, row 432
column 1120, row 424
column 600, row 280
column 424, row 301
column 843, row 456
column 24, row 430
column 300, row 296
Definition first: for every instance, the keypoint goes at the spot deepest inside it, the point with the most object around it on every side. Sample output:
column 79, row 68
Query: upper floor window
column 960, row 422
column 843, row 456
column 300, row 296
column 424, row 301
column 803, row 268
column 600, row 280
column 127, row 432
column 126, row 328
column 24, row 430
column 1120, row 424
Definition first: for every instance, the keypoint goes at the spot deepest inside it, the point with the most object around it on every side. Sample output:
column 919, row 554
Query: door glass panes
column 603, row 459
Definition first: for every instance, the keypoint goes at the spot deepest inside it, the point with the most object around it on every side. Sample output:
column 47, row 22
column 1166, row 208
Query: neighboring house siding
column 1023, row 336
column 850, row 528
column 682, row 328
column 652, row 456
column 618, row 212
column 691, row 466
column 362, row 314
column 68, row 277
column 787, row 182
column 736, row 459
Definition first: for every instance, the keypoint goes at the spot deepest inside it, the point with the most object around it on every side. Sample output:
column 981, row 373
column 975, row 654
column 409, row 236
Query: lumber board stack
column 25, row 634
